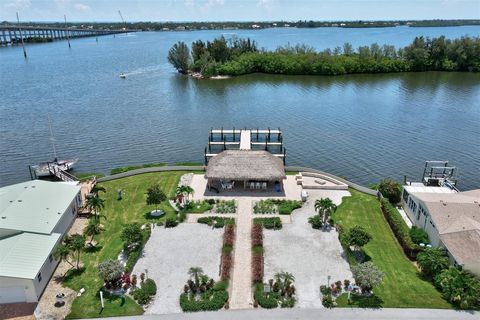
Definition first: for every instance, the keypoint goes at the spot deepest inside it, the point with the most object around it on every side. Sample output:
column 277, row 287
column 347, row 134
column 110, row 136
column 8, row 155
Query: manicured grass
column 402, row 285
column 199, row 207
column 85, row 176
column 130, row 168
column 131, row 208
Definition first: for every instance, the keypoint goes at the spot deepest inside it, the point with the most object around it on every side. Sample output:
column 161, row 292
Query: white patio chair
column 257, row 185
column 252, row 185
column 264, row 185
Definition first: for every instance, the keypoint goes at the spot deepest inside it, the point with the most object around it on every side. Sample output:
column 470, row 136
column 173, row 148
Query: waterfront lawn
column 131, row 208
column 402, row 286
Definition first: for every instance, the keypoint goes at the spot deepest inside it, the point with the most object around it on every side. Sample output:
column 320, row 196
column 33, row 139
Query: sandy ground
column 310, row 255
column 169, row 254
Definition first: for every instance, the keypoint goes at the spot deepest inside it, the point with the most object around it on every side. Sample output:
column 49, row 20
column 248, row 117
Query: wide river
column 362, row 127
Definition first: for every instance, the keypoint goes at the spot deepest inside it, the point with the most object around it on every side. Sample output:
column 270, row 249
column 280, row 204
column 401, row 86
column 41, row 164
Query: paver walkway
column 241, row 282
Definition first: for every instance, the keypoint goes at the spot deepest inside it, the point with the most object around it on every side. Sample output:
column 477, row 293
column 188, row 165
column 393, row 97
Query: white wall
column 46, row 271
column 67, row 218
column 28, row 286
column 420, row 217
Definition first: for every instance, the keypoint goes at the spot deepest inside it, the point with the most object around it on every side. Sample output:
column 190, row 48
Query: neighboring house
column 34, row 216
column 451, row 219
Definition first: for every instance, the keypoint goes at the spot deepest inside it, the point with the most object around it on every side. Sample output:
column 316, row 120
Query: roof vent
column 19, row 200
column 59, row 213
column 33, row 186
column 4, row 217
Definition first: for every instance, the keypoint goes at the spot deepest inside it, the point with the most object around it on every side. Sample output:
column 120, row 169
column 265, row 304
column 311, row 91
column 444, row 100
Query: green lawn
column 402, row 285
column 131, row 208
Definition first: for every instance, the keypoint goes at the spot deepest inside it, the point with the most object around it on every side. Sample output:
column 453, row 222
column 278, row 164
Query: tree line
column 242, row 56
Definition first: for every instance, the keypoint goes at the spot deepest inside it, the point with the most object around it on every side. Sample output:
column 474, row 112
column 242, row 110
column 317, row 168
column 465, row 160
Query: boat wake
column 144, row 70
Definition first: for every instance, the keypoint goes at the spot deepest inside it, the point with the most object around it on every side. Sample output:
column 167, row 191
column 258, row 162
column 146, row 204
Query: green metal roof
column 22, row 255
column 35, row 206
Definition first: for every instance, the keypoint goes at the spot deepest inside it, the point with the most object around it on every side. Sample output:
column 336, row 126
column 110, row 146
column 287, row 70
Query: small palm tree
column 325, row 208
column 92, row 229
column 63, row 253
column 96, row 189
column 196, row 273
column 95, row 204
column 188, row 191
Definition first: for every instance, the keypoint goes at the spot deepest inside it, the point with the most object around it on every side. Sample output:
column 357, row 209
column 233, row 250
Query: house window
column 50, row 258
column 39, row 277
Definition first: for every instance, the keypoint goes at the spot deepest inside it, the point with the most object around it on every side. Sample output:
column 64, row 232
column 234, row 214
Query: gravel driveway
column 310, row 255
column 168, row 255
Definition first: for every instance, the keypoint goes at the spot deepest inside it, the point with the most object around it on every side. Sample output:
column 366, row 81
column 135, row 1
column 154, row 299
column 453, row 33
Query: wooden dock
column 245, row 139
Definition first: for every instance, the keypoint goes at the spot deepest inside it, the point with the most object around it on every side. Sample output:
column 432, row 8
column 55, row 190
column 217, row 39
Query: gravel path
column 168, row 255
column 310, row 255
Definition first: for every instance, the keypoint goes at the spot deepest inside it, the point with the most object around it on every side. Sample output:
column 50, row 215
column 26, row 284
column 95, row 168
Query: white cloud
column 81, row 7
column 18, row 4
column 213, row 3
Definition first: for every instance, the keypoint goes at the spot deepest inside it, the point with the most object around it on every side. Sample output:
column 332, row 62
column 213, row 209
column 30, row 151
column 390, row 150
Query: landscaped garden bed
column 216, row 222
column 273, row 206
column 278, row 292
column 273, row 223
column 210, row 205
column 117, row 213
column 402, row 285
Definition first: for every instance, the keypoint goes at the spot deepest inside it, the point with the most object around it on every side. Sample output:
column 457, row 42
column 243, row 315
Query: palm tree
column 288, row 278
column 196, row 273
column 92, row 229
column 63, row 253
column 96, row 204
column 188, row 191
column 96, row 189
column 181, row 191
column 76, row 243
column 325, row 208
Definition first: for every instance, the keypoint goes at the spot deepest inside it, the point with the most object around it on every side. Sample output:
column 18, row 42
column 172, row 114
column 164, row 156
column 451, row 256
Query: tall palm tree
column 96, row 189
column 63, row 253
column 189, row 191
column 95, row 204
column 196, row 273
column 325, row 208
column 184, row 191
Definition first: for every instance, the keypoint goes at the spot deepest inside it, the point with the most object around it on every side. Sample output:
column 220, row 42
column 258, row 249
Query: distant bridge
column 11, row 34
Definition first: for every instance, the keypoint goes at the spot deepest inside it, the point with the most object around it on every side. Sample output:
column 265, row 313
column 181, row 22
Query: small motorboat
column 123, row 75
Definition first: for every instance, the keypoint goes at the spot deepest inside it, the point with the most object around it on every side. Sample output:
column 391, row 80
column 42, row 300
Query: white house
column 34, row 216
column 451, row 219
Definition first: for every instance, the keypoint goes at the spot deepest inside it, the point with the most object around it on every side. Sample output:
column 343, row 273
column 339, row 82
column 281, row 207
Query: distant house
column 451, row 219
column 34, row 216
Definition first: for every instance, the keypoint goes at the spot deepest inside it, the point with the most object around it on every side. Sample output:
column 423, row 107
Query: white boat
column 123, row 75
column 48, row 168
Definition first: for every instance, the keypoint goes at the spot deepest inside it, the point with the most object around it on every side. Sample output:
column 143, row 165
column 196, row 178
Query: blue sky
column 238, row 10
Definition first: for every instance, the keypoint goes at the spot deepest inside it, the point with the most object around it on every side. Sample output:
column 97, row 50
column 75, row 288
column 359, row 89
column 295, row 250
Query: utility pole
column 21, row 37
column 66, row 30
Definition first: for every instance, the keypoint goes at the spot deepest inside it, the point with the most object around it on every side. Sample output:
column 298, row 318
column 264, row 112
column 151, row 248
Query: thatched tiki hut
column 249, row 169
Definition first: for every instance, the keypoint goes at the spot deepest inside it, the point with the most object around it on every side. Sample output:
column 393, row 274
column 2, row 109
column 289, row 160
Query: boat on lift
column 48, row 168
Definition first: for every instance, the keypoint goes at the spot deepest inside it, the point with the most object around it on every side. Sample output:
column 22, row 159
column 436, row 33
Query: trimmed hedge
column 265, row 301
column 273, row 223
column 145, row 293
column 213, row 300
column 399, row 228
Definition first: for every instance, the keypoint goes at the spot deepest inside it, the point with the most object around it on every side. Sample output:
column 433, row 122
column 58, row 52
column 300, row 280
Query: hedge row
column 399, row 228
column 135, row 254
column 216, row 222
column 257, row 253
column 227, row 258
column 273, row 223
column 213, row 303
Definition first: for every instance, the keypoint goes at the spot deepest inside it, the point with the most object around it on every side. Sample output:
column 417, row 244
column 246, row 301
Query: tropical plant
column 131, row 236
column 196, row 273
column 95, row 204
column 367, row 276
column 432, row 261
column 155, row 196
column 63, row 253
column 358, row 237
column 316, row 221
column 76, row 244
column 459, row 287
column 184, row 191
column 390, row 189
column 92, row 229
column 418, row 235
column 179, row 56
column 96, row 189
column 325, row 208
column 111, row 272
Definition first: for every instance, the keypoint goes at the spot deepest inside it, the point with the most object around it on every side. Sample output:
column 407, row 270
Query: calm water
column 363, row 127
